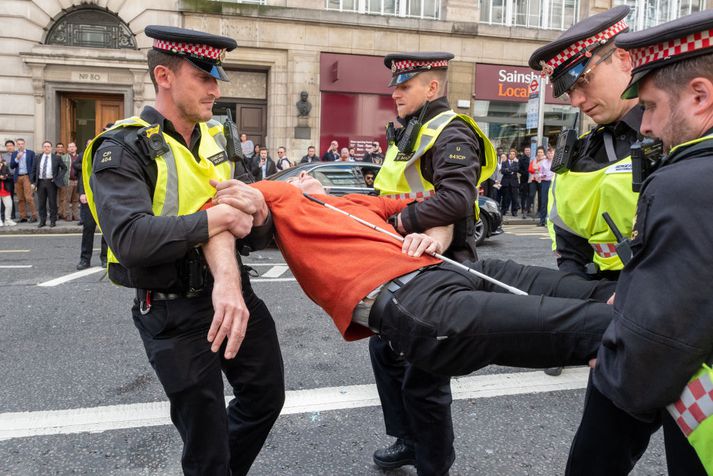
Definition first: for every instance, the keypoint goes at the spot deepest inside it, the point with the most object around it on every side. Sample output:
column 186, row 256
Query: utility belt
column 383, row 299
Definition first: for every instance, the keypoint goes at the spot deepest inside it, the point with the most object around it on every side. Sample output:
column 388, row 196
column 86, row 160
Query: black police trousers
column 89, row 226
column 416, row 406
column 610, row 441
column 215, row 441
column 450, row 322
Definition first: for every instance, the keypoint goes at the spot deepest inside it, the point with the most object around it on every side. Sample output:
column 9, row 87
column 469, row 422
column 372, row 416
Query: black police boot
column 82, row 265
column 399, row 454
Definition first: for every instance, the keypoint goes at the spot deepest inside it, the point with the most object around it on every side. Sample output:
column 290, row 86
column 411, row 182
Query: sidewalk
column 31, row 228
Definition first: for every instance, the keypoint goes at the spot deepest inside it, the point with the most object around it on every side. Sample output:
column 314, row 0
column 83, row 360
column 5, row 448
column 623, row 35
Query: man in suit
column 265, row 166
column 47, row 176
column 21, row 163
column 510, row 185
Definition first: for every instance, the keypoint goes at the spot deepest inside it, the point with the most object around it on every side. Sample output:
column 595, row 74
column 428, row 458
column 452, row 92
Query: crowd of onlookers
column 38, row 185
column 262, row 164
column 522, row 182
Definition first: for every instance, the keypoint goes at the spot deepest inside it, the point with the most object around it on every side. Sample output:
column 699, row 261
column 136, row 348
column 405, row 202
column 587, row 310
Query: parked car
column 341, row 178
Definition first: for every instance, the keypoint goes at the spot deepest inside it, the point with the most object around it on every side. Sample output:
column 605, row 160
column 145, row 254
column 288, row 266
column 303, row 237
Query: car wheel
column 481, row 230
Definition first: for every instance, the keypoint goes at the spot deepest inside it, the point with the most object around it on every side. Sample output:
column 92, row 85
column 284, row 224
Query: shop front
column 501, row 93
column 356, row 101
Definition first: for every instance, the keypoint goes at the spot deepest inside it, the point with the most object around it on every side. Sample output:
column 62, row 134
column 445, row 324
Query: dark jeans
column 610, row 441
column 416, row 406
column 544, row 196
column 450, row 322
column 215, row 441
column 89, row 227
column 534, row 188
column 47, row 192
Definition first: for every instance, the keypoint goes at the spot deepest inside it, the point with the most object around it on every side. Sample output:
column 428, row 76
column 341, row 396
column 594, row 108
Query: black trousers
column 450, row 322
column 89, row 227
column 416, row 406
column 510, row 196
column 47, row 192
column 610, row 441
column 215, row 441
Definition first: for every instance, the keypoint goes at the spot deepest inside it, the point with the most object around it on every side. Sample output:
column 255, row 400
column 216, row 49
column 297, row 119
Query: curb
column 31, row 229
column 520, row 221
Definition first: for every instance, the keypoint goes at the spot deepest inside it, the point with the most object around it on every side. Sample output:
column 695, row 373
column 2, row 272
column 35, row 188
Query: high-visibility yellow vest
column 183, row 184
column 577, row 200
column 400, row 175
column 692, row 413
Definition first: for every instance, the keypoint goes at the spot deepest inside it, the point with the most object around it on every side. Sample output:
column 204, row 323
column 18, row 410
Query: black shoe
column 33, row 220
column 541, row 224
column 23, row 220
column 80, row 223
column 53, row 224
column 399, row 454
column 554, row 371
column 41, row 225
column 83, row 265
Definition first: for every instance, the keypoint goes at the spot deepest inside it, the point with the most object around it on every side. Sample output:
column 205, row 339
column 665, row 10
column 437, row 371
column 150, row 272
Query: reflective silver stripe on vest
column 411, row 173
column 222, row 141
column 695, row 404
column 170, row 204
column 554, row 217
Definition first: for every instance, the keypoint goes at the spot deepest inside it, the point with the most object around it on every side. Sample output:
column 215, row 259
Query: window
column 427, row 9
column 547, row 14
column 647, row 13
column 91, row 27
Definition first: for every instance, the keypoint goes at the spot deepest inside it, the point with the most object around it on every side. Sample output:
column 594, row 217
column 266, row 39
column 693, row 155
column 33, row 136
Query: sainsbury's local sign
column 507, row 83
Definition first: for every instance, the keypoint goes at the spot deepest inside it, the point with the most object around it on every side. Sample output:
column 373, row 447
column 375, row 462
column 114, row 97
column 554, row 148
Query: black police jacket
column 663, row 313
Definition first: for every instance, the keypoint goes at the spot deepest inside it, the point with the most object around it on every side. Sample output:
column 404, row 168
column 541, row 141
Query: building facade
column 72, row 66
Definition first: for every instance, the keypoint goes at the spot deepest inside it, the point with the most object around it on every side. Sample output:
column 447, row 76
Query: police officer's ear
column 700, row 98
column 623, row 60
column 164, row 76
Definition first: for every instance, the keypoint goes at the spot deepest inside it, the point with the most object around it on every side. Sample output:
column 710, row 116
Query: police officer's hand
column 416, row 244
column 230, row 318
column 230, row 314
column 242, row 197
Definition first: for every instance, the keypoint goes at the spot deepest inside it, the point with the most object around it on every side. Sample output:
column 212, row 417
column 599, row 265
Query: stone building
column 71, row 66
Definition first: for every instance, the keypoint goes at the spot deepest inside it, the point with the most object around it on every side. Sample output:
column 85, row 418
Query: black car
column 342, row 178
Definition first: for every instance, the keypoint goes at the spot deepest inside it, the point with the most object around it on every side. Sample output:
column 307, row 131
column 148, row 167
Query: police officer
column 437, row 157
column 194, row 307
column 585, row 65
column 661, row 333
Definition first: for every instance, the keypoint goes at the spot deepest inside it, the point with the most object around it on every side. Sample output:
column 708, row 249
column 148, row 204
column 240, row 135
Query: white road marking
column 15, row 266
column 37, row 235
column 70, row 277
column 14, row 251
column 138, row 415
column 274, row 272
column 271, row 280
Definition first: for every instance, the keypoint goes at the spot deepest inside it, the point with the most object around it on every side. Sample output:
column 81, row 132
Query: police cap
column 203, row 50
column 565, row 59
column 405, row 66
column 666, row 44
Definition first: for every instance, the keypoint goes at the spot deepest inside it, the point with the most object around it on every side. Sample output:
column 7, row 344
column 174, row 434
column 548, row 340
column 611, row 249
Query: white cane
column 512, row 289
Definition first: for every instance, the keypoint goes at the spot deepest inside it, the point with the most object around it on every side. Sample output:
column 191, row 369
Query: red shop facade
column 356, row 102
column 500, row 106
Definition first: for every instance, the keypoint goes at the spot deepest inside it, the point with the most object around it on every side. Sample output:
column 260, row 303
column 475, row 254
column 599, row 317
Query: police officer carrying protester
column 437, row 157
column 194, row 309
column 584, row 65
column 653, row 352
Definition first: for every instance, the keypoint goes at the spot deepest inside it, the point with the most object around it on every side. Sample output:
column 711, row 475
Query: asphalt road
column 79, row 397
